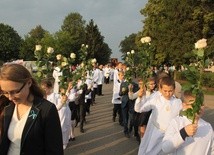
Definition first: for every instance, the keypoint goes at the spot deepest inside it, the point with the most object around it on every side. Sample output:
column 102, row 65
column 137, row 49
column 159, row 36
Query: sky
column 115, row 19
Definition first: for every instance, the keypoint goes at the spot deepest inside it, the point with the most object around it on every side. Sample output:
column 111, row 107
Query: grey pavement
column 104, row 137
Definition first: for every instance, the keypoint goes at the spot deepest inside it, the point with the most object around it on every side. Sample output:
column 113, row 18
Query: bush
column 207, row 78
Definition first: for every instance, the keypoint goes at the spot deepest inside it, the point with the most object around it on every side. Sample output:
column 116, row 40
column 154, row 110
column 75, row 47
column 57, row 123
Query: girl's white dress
column 64, row 116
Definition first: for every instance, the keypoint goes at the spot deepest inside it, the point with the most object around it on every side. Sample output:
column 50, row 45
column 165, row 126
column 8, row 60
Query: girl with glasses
column 31, row 123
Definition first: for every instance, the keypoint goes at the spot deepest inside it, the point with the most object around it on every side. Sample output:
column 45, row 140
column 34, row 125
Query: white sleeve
column 172, row 139
column 95, row 76
column 211, row 150
column 138, row 104
column 148, row 104
column 71, row 97
column 133, row 96
column 59, row 105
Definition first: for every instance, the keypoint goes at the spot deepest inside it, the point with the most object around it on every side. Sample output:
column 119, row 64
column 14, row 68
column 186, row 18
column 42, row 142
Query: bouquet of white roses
column 43, row 62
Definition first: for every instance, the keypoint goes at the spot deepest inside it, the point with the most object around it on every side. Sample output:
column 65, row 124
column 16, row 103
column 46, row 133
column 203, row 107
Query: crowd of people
column 39, row 118
column 33, row 114
column 152, row 109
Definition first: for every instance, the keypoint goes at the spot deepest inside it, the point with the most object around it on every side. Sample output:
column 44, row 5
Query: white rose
column 128, row 53
column 145, row 40
column 202, row 43
column 82, row 64
column 50, row 50
column 83, row 45
column 38, row 47
column 94, row 60
column 127, row 68
column 63, row 64
column 86, row 46
column 65, row 59
column 73, row 55
column 58, row 57
column 132, row 51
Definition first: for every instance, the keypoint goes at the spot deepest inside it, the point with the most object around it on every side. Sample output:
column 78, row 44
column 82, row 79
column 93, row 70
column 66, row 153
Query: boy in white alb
column 116, row 98
column 183, row 137
column 164, row 108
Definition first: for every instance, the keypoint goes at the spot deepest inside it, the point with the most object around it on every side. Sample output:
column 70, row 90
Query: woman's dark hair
column 18, row 73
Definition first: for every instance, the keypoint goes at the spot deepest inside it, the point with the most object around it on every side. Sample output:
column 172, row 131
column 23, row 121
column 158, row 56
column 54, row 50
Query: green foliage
column 65, row 63
column 128, row 44
column 175, row 25
column 208, row 79
column 193, row 75
column 97, row 47
column 71, row 36
column 43, row 63
column 130, row 70
column 10, row 43
column 34, row 37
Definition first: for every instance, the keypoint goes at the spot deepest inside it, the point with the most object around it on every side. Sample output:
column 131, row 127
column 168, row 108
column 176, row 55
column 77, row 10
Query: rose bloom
column 145, row 40
column 65, row 59
column 132, row 51
column 82, row 64
column 127, row 68
column 94, row 60
column 86, row 46
column 123, row 89
column 83, row 45
column 202, row 43
column 38, row 47
column 50, row 50
column 128, row 53
column 63, row 64
column 72, row 55
column 58, row 57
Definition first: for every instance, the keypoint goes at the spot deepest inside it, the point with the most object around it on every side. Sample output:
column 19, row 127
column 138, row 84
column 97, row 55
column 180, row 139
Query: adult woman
column 31, row 123
column 3, row 102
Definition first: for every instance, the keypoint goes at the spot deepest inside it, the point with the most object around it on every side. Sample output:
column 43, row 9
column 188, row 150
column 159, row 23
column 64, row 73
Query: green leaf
column 200, row 52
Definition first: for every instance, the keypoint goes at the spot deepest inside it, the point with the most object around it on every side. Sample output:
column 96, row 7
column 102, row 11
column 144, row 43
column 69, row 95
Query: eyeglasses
column 14, row 92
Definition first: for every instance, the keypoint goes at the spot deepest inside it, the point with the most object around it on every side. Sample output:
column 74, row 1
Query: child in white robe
column 65, row 117
column 56, row 74
column 164, row 108
column 61, row 104
column 71, row 93
column 183, row 137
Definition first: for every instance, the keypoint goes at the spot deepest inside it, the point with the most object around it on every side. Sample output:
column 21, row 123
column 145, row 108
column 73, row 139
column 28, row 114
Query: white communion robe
column 163, row 111
column 56, row 74
column 64, row 116
column 65, row 120
column 202, row 143
column 116, row 98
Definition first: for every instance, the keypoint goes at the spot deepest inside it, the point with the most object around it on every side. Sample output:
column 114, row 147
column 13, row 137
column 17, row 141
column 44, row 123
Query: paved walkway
column 104, row 137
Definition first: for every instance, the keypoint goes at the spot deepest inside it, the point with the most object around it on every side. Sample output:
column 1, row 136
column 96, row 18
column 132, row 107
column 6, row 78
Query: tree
column 128, row 44
column 34, row 37
column 97, row 48
column 104, row 54
column 174, row 26
column 72, row 34
column 10, row 43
